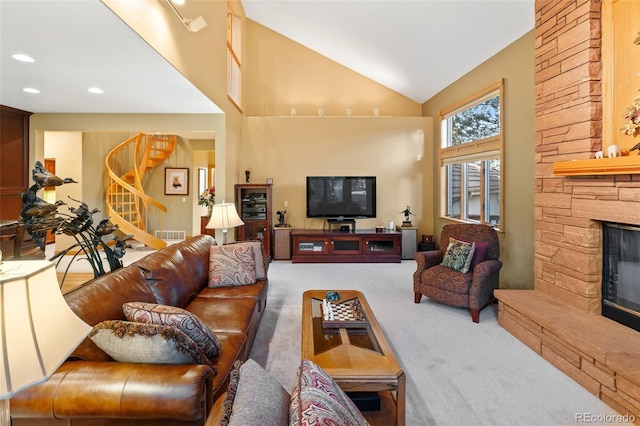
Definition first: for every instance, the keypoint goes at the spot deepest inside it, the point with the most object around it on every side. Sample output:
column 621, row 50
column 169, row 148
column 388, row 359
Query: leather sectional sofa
column 90, row 388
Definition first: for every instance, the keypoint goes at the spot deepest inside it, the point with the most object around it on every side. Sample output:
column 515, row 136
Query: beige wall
column 516, row 65
column 283, row 74
column 287, row 149
column 64, row 146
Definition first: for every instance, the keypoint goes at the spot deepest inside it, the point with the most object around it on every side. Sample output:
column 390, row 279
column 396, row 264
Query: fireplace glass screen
column 621, row 274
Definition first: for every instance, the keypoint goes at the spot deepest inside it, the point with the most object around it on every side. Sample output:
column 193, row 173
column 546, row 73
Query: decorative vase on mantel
column 209, row 210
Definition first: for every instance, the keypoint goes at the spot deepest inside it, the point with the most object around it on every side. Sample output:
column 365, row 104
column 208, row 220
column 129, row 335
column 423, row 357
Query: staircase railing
column 128, row 206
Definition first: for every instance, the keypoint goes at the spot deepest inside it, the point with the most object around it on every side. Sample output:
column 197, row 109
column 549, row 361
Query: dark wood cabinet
column 319, row 246
column 253, row 202
column 203, row 226
column 14, row 156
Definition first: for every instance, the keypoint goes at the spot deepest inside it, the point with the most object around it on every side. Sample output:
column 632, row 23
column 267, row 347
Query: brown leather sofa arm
column 84, row 389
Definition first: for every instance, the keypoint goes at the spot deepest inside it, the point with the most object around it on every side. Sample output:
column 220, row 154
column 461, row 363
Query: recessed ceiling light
column 180, row 2
column 31, row 90
column 22, row 57
column 96, row 90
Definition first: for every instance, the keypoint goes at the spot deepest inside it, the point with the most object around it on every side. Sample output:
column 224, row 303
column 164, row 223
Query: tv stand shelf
column 341, row 222
column 362, row 246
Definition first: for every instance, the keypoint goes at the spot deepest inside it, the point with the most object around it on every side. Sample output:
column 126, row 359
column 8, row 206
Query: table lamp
column 38, row 330
column 224, row 216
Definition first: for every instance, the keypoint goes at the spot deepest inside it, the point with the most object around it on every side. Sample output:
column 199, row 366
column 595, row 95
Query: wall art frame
column 176, row 181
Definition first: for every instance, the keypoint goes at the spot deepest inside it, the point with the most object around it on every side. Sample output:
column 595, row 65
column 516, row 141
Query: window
column 234, row 46
column 471, row 158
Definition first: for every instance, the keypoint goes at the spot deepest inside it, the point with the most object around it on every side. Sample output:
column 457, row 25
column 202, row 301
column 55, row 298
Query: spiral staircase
column 127, row 204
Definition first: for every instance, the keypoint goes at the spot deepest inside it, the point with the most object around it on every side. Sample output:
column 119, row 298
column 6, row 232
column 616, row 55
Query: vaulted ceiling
column 416, row 48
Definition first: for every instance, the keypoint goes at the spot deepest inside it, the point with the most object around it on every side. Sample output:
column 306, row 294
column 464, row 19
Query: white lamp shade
column 224, row 216
column 38, row 330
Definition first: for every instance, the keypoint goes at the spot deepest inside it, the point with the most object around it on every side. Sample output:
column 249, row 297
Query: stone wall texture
column 560, row 319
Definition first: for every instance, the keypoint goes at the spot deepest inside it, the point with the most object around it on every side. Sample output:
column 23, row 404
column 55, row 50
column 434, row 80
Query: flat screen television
column 341, row 196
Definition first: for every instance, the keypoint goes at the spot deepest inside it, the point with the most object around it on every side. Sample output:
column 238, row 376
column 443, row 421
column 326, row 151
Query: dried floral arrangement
column 631, row 125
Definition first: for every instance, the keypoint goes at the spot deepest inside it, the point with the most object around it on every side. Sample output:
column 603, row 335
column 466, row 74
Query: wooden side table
column 281, row 243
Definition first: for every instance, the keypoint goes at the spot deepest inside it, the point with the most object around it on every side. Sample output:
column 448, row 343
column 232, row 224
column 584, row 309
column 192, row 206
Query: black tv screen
column 341, row 196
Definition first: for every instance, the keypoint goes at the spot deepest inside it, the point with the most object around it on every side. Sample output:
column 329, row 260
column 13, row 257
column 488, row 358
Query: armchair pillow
column 185, row 321
column 458, row 255
column 147, row 343
column 231, row 265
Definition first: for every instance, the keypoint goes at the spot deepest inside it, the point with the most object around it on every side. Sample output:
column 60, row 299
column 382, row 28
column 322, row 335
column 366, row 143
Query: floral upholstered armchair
column 464, row 271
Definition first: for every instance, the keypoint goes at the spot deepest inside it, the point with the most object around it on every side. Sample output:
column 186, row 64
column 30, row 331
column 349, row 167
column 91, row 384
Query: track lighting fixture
column 193, row 25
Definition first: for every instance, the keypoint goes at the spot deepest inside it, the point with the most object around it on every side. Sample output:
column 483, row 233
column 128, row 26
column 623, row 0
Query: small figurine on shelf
column 280, row 214
column 407, row 213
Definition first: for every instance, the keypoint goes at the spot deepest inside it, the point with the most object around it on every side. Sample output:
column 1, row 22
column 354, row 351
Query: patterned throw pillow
column 147, row 343
column 231, row 265
column 459, row 255
column 185, row 321
column 261, row 272
column 317, row 400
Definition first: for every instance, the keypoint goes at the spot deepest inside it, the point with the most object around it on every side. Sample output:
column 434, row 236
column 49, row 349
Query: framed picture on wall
column 176, row 181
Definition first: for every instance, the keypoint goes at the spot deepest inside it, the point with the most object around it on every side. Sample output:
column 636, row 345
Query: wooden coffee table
column 357, row 357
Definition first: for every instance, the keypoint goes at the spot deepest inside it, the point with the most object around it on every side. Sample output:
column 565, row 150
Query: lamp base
column 5, row 413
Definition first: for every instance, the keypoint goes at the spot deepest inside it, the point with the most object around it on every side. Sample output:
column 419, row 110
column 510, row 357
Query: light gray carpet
column 458, row 372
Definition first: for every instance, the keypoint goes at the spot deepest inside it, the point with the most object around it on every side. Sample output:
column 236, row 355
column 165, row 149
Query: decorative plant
column 632, row 118
column 207, row 198
column 92, row 239
column 632, row 114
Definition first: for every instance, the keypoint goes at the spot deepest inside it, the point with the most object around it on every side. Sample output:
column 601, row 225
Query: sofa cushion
column 147, row 343
column 230, row 265
column 458, row 255
column 168, row 277
column 317, row 399
column 257, row 399
column 225, row 314
column 195, row 252
column 185, row 321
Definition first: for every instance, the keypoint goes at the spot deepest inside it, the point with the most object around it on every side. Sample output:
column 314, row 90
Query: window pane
column 473, row 180
column 493, row 204
column 454, row 172
column 478, row 122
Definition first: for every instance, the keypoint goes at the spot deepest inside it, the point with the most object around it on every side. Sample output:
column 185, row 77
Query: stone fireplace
column 561, row 318
column 621, row 273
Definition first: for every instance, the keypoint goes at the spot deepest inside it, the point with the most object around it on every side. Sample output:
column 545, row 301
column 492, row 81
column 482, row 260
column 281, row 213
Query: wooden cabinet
column 282, row 243
column 335, row 246
column 203, row 226
column 253, row 202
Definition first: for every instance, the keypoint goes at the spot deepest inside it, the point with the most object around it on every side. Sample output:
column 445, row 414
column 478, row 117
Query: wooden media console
column 366, row 246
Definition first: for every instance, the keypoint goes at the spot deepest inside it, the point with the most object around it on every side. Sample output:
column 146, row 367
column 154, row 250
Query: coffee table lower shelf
column 359, row 359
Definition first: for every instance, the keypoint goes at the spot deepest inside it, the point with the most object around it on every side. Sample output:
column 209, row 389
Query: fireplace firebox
column 621, row 274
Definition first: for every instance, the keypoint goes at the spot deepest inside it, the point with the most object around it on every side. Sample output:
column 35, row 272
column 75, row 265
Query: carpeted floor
column 458, row 372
